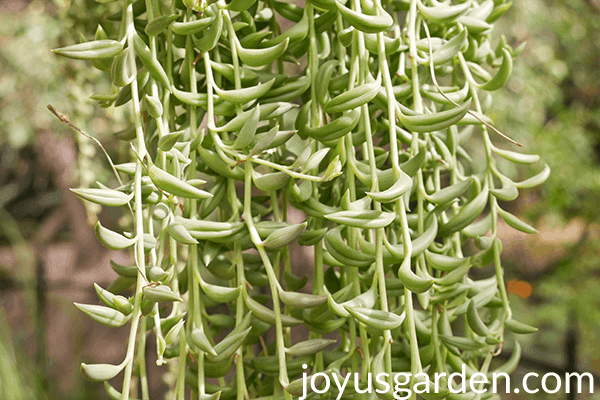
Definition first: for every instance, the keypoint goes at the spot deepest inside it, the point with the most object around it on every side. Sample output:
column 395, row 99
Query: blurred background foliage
column 550, row 105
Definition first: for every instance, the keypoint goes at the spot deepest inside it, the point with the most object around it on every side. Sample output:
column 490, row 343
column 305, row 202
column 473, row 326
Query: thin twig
column 64, row 118
column 431, row 67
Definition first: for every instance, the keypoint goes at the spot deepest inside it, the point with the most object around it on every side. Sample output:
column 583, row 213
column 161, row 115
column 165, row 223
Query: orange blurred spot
column 520, row 288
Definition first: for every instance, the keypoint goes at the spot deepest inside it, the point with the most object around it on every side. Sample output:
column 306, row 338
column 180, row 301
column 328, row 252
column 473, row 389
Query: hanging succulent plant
column 366, row 139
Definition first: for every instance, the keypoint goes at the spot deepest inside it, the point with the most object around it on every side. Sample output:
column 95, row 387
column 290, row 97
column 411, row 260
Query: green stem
column 285, row 169
column 273, row 282
column 315, row 120
column 138, row 217
column 142, row 359
column 415, row 359
column 493, row 200
column 154, row 86
column 412, row 42
column 181, row 361
column 239, row 316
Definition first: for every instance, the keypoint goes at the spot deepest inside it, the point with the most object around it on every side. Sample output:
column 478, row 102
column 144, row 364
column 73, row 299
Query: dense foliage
column 375, row 156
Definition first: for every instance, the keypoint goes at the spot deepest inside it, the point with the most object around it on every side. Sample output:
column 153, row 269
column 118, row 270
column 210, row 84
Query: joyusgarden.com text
column 402, row 385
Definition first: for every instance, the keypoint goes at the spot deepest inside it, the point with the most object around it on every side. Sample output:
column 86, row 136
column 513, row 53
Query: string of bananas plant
column 368, row 139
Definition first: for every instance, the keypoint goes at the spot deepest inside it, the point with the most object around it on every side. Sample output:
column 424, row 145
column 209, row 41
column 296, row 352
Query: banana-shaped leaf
column 354, row 98
column 378, row 368
column 515, row 222
column 515, row 157
column 218, row 293
column 362, row 219
column 323, row 78
column 166, row 142
column 467, row 214
column 498, row 11
column 265, row 110
column 95, row 50
column 111, row 301
column 535, row 180
column 111, row 239
column 261, row 57
column 180, row 234
column 269, row 140
column 248, row 130
column 448, row 98
column 295, row 34
column 270, row 182
column 366, row 23
column 391, row 45
column 301, row 300
column 101, row 372
column 159, row 24
column 104, row 315
column 267, row 315
column 191, row 27
column 211, row 34
column 284, row 236
column 314, row 160
column 454, row 276
column 450, row 193
column 502, row 75
column 508, row 192
column 331, row 131
column 293, row 88
column 412, row 281
column 105, row 197
column 519, row 327
column 169, row 183
column 311, row 237
column 474, row 25
column 479, row 228
column 443, row 13
column 198, row 338
column 151, row 63
column 160, row 294
column 443, row 262
column 382, row 320
column 121, row 74
column 393, row 193
column 208, row 226
column 228, row 346
column 395, row 253
column 152, row 105
column 365, row 300
column 309, row 347
column 510, row 365
column 344, row 253
column 436, row 121
column 475, row 322
column 214, row 162
column 172, row 334
column 242, row 96
column 461, row 342
column 448, row 50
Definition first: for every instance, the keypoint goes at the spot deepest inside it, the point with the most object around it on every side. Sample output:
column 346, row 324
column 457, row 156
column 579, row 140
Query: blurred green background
column 550, row 105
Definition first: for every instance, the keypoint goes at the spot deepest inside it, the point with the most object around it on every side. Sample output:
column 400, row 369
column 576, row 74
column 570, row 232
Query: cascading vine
column 362, row 115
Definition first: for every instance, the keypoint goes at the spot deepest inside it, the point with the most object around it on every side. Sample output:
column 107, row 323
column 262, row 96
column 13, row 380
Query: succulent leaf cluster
column 356, row 115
